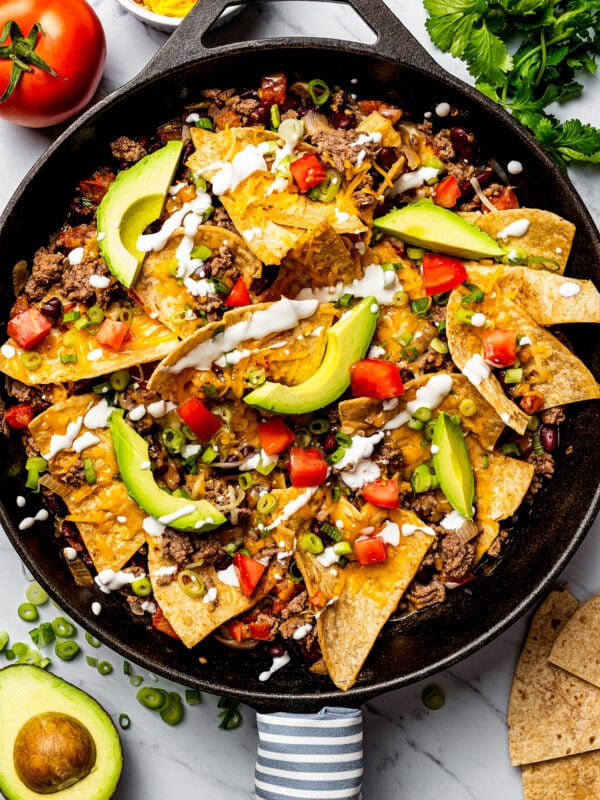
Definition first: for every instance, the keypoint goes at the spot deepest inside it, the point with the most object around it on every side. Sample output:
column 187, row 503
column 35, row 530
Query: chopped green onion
column 3, row 640
column 32, row 481
column 442, row 298
column 303, row 437
column 230, row 720
column 136, row 680
column 245, row 481
column 93, row 329
column 189, row 434
column 513, row 376
column 91, row 640
column 152, row 697
column 342, row 548
column 96, row 315
column 173, row 439
column 199, row 182
column 409, row 353
column 9, row 654
column 36, row 595
column 28, row 612
column 476, row 295
column 92, row 661
column 266, row 503
column 336, row 493
column 405, row 338
column 435, row 163
column 265, row 469
column 420, row 480
column 120, row 380
column 256, row 377
column 71, row 316
column 104, row 667
column 37, row 463
column 205, row 123
column 415, row 424
column 439, row 346
column 433, row 698
column 467, row 407
column 191, row 584
column 319, row 91
column 536, row 441
column 30, row 359
column 125, row 315
column 312, row 544
column 66, row 650
column 326, row 191
column 202, row 252
column 421, row 306
column 141, row 587
column 533, row 423
column 337, row 455
column 209, row 455
column 172, row 711
column 81, row 324
column 63, row 628
column 275, row 116
column 512, row 449
column 102, row 388
column 294, row 573
column 345, row 300
column 465, row 316
column 319, row 426
column 429, row 428
column 20, row 649
column 124, row 722
column 423, row 414
column 210, row 391
column 343, row 439
column 399, row 299
column 416, row 253
column 330, row 530
column 68, row 358
column 90, row 471
column 42, row 635
column 192, row 697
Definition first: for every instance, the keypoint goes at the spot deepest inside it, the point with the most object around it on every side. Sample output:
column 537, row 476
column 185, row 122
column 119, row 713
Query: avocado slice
column 347, row 341
column 132, row 202
column 423, row 224
column 56, row 739
column 453, row 466
column 132, row 453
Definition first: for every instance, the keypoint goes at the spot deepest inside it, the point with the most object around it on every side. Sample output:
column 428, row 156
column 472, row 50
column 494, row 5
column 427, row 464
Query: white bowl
column 163, row 23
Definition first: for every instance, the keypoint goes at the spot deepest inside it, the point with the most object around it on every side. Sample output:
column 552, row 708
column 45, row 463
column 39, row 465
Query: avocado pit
column 53, row 751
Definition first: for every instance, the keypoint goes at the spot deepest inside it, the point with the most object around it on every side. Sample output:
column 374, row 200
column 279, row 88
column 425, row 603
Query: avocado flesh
column 132, row 202
column 453, row 466
column 26, row 691
column 131, row 451
column 423, row 224
column 347, row 341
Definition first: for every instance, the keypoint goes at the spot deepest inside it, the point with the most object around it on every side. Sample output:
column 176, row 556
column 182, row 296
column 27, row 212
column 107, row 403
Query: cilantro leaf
column 487, row 55
column 569, row 141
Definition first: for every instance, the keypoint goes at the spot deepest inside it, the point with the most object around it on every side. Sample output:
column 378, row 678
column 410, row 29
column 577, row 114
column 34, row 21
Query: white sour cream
column 167, row 519
column 153, row 527
column 293, row 506
column 28, row 522
column 98, row 415
column 278, row 663
column 229, row 576
column 75, row 256
column 363, row 473
column 328, row 557
column 137, row 413
column 453, row 521
column 211, row 595
column 302, row 631
column 408, row 529
column 64, row 441
column 442, row 109
column 568, row 289
column 362, row 448
column 84, row 441
column 476, row 370
column 244, row 163
column 390, row 533
column 514, row 167
column 99, row 281
column 428, row 396
column 413, row 180
column 376, row 282
column 8, row 351
column 517, row 228
column 107, row 580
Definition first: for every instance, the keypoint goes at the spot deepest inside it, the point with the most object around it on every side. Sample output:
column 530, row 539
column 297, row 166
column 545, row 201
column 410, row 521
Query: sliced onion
column 479, row 192
column 291, row 130
column 314, row 121
column 56, row 486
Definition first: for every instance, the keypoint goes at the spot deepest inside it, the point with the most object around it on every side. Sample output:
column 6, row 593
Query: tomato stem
column 21, row 52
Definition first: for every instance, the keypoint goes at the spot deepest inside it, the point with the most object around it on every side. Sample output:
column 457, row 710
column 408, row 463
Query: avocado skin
column 347, row 341
column 423, row 224
column 27, row 690
column 452, row 465
column 132, row 202
column 131, row 451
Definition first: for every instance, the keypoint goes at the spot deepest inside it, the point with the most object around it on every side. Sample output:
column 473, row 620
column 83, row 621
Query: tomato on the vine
column 51, row 59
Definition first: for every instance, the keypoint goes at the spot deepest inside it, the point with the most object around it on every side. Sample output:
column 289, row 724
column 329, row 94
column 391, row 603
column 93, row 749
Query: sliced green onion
column 275, row 116
column 125, row 315
column 102, row 388
column 3, row 640
column 68, row 358
column 120, row 380
column 36, row 595
column 92, row 661
column 245, row 481
column 442, row 298
column 136, row 680
column 326, row 191
column 439, row 346
column 266, row 503
column 319, row 426
column 210, row 391
column 409, row 353
column 336, row 493
column 28, row 612
column 30, row 359
column 20, row 649
column 141, row 587
column 152, row 697
column 476, row 295
column 415, row 424
column 429, row 428
column 202, row 252
column 205, row 123
column 433, row 698
column 421, row 306
column 37, row 463
column 173, row 439
column 345, row 300
column 265, row 469
column 190, row 583
column 189, row 434
column 209, row 455
column 32, row 481
column 63, row 628
column 312, row 544
column 230, row 720
column 104, row 667
column 423, row 414
column 465, row 316
column 533, row 423
column 337, row 455
column 81, row 324
column 399, row 299
column 294, row 573
column 93, row 329
column 257, row 377
column 416, row 253
column 192, row 697
column 405, row 338
column 91, row 640
column 467, row 407
column 303, row 437
column 124, row 722
column 9, row 654
column 536, row 441
column 291, row 130
column 330, row 530
column 71, row 316
column 319, row 91
column 96, row 315
column 42, row 635
column 172, row 711
column 343, row 440
column 512, row 449
column 342, row 548
column 513, row 376
column 420, row 480
column 90, row 471
column 435, row 163
column 66, row 650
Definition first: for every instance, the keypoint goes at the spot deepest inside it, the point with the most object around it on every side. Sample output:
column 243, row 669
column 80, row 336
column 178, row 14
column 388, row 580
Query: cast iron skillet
column 395, row 67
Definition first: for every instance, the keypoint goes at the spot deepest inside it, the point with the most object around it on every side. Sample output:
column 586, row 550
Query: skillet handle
column 187, row 43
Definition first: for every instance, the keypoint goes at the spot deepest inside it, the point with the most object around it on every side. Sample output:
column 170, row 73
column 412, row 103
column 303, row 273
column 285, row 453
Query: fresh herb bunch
column 556, row 40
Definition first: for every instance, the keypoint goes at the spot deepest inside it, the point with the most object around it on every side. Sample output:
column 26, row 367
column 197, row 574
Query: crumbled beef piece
column 495, row 548
column 553, row 416
column 544, row 468
column 165, row 580
column 75, row 475
column 268, row 551
column 243, row 105
column 215, row 491
column 95, row 188
column 430, row 506
column 46, row 271
column 443, row 145
column 336, row 147
column 221, row 264
column 432, row 361
column 71, row 237
column 426, row 594
column 159, row 456
column 364, row 199
column 208, row 547
column 266, row 616
column 221, row 219
column 128, row 150
column 290, row 626
column 457, row 556
column 31, row 448
column 220, row 96
column 392, row 456
column 297, row 605
column 21, row 392
column 171, row 131
column 461, row 171
column 291, row 113
column 76, row 285
column 426, row 126
column 177, row 546
column 133, row 397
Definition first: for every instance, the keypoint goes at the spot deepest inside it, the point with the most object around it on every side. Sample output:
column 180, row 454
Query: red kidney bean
column 52, row 309
column 330, row 443
column 386, row 157
column 549, row 438
column 276, row 650
column 342, row 121
column 260, row 116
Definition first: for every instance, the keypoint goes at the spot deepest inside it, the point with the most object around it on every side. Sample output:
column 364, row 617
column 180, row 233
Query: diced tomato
column 239, row 630
column 199, row 419
column 500, row 347
column 442, row 273
column 447, row 192
column 272, row 89
column 373, row 377
column 227, row 119
column 370, row 550
column 307, row 467
column 112, row 333
column 96, row 187
column 317, row 599
column 308, row 171
column 19, row 416
column 382, row 493
column 532, row 402
column 162, row 624
column 238, row 296
column 28, row 328
column 261, row 630
column 505, row 199
column 275, row 436
column 249, row 571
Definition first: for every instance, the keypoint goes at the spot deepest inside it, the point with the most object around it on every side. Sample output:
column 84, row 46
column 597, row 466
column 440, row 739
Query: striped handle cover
column 310, row 756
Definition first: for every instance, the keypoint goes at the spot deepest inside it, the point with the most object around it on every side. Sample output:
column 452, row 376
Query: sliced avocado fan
column 452, row 465
column 347, row 341
column 134, row 465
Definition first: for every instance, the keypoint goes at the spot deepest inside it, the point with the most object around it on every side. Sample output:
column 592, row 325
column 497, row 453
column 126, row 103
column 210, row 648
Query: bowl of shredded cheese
column 165, row 15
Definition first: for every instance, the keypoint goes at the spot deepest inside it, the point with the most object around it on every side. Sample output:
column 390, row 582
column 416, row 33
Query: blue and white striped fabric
column 310, row 756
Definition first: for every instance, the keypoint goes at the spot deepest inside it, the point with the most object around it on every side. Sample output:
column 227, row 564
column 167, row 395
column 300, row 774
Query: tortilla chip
column 288, row 357
column 366, row 596
column 569, row 778
column 149, row 341
column 213, row 149
column 576, row 649
column 166, row 298
column 551, row 713
column 95, row 509
column 549, row 235
column 377, row 123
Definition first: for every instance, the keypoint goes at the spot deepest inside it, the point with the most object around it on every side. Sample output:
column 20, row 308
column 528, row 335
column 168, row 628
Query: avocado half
column 132, row 202
column 78, row 738
column 347, row 341
column 131, row 451
column 423, row 224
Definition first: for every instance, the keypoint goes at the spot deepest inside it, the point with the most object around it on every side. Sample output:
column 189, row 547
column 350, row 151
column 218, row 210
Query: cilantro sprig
column 551, row 42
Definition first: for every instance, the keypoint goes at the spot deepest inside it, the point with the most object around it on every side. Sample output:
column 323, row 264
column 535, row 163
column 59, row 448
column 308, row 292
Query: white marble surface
column 456, row 753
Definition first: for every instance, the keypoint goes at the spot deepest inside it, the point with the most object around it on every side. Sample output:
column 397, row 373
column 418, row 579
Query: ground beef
column 430, row 506
column 461, row 171
column 71, row 236
column 128, row 150
column 432, row 361
column 207, row 547
column 336, row 147
column 21, row 392
column 392, row 456
column 159, row 457
column 46, row 271
column 544, row 468
column 221, row 264
column 177, row 546
column 290, row 626
column 495, row 548
column 221, row 219
column 457, row 556
column 76, row 285
column 266, row 616
column 243, row 106
column 553, row 416
column 75, row 475
column 443, row 145
column 426, row 594
column 291, row 113
column 171, row 131
column 297, row 605
column 215, row 491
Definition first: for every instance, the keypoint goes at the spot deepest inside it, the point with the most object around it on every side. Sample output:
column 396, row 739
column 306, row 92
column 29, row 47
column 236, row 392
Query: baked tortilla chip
column 149, row 341
column 361, row 599
column 551, row 713
column 167, row 298
column 569, row 778
column 95, row 509
column 576, row 649
column 548, row 236
column 288, row 356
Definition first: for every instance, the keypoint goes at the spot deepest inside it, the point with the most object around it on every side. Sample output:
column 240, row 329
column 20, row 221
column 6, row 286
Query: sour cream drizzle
column 290, row 508
column 64, row 441
column 377, row 282
column 476, row 370
column 428, row 396
column 517, row 228
column 28, row 522
column 278, row 663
